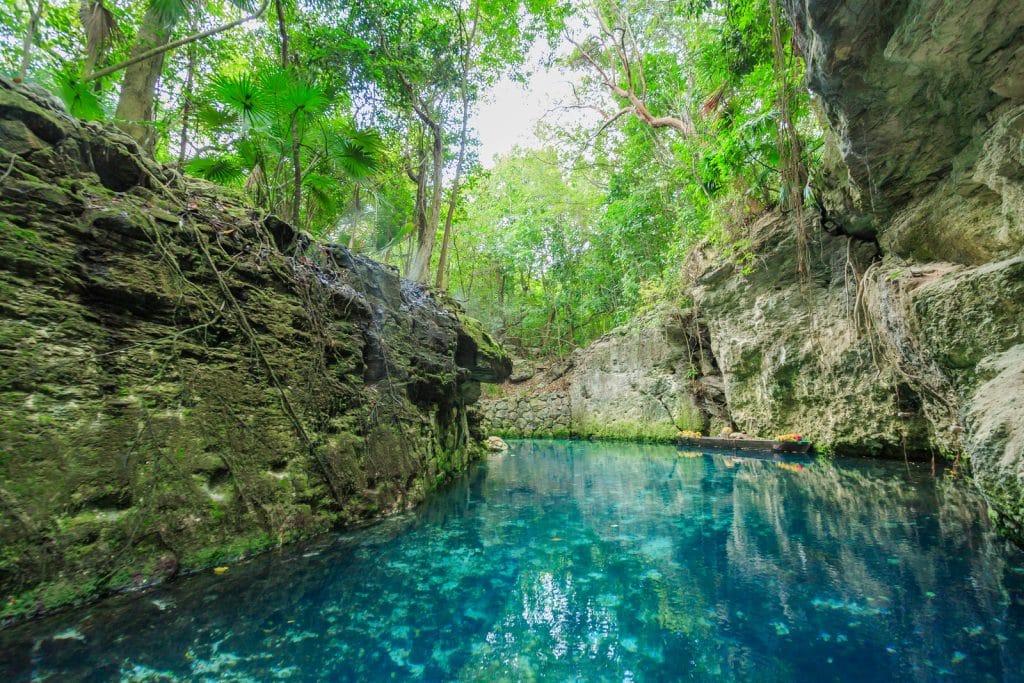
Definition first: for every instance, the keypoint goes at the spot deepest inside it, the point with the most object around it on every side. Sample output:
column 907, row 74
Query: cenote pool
column 564, row 561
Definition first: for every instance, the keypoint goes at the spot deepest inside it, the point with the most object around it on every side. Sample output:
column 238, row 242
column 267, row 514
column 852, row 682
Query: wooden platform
column 745, row 444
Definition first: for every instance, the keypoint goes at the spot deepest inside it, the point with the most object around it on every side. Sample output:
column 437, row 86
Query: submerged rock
column 496, row 444
column 184, row 380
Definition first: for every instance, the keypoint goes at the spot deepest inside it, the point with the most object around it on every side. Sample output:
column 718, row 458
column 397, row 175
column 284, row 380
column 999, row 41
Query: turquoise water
column 580, row 561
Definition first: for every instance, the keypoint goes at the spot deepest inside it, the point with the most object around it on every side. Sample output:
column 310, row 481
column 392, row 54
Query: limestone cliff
column 898, row 330
column 926, row 99
column 184, row 380
column 646, row 380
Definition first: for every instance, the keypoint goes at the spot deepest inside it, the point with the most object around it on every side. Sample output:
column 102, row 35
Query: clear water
column 577, row 561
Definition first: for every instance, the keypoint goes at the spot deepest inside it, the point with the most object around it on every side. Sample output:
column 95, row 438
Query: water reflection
column 580, row 561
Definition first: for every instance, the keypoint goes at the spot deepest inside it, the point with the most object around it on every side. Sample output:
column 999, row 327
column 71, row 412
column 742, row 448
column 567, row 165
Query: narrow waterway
column 567, row 561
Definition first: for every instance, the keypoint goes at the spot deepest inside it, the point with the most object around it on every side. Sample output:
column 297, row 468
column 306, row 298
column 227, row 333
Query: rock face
column 923, row 95
column 638, row 381
column 647, row 380
column 926, row 101
column 183, row 381
column 792, row 356
column 899, row 330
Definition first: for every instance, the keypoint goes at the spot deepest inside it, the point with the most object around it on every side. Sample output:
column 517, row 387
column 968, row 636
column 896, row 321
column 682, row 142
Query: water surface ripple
column 564, row 561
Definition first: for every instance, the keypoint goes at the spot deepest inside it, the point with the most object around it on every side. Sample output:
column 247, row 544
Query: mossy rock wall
column 184, row 381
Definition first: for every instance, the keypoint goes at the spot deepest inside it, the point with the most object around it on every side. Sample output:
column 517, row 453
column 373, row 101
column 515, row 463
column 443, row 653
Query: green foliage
column 651, row 194
column 219, row 169
column 252, row 120
column 552, row 247
column 80, row 99
column 530, row 256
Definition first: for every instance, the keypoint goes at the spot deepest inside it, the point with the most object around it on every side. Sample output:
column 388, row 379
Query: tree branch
column 612, row 119
column 175, row 44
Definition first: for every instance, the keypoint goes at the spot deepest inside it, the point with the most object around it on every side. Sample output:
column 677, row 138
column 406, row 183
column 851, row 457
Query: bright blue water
column 577, row 561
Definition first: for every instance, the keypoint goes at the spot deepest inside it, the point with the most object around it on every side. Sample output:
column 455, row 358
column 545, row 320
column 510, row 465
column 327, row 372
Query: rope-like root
column 883, row 315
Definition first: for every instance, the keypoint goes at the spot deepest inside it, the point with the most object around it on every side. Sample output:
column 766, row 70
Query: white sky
column 509, row 113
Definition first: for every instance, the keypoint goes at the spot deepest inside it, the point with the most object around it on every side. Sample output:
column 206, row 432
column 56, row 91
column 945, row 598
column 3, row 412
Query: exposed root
column 883, row 315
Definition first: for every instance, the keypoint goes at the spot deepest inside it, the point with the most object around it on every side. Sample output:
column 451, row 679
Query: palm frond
column 220, row 169
column 100, row 27
column 357, row 153
column 247, row 6
column 274, row 82
column 169, row 12
column 80, row 98
column 322, row 190
column 249, row 153
column 303, row 101
column 255, row 185
column 214, row 119
column 243, row 96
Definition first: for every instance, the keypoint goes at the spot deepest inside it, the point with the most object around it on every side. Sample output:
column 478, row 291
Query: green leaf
column 244, row 97
column 80, row 98
column 223, row 170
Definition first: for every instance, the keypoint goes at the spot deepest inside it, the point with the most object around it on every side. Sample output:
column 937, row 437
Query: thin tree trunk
column 420, row 269
column 186, row 107
column 282, row 29
column 467, row 47
column 442, row 260
column 138, row 89
column 29, row 40
column 501, row 297
column 355, row 221
column 297, row 171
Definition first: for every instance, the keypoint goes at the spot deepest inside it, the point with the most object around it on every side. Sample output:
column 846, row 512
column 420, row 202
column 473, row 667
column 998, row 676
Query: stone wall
column 542, row 415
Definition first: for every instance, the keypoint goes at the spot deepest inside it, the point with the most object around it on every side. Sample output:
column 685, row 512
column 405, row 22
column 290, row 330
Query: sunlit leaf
column 223, row 170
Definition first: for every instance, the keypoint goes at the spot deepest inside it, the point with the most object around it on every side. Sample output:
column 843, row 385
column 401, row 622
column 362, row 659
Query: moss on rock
column 184, row 382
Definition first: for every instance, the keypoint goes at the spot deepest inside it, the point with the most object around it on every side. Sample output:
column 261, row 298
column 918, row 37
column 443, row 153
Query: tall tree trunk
column 186, row 106
column 420, row 211
column 29, row 40
column 138, row 89
column 467, row 49
column 282, row 30
column 297, row 173
column 420, row 268
column 356, row 212
column 453, row 198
